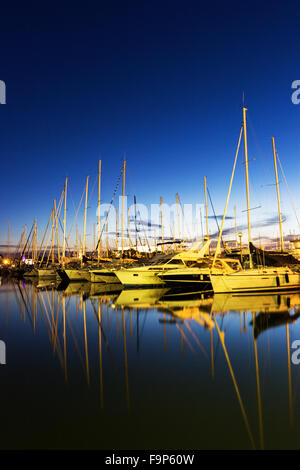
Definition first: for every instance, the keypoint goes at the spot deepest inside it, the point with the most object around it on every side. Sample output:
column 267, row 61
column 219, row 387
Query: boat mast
column 65, row 215
column 41, row 245
column 52, row 239
column 247, row 182
column 25, row 231
column 178, row 217
column 99, row 188
column 235, row 228
column 117, row 247
column 107, row 249
column 129, row 237
column 77, row 252
column 94, row 237
column 35, row 242
column 136, row 240
column 162, row 227
column 57, row 235
column 278, row 196
column 227, row 200
column 85, row 210
column 205, row 193
column 124, row 168
column 8, row 239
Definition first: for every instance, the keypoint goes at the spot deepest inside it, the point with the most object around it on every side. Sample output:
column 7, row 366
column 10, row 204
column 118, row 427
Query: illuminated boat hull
column 139, row 277
column 78, row 274
column 103, row 275
column 256, row 280
column 48, row 273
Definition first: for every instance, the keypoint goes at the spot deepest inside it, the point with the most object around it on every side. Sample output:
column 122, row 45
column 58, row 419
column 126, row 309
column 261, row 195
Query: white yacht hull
column 131, row 278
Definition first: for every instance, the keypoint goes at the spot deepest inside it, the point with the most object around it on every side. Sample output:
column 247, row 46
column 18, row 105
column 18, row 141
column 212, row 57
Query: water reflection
column 224, row 358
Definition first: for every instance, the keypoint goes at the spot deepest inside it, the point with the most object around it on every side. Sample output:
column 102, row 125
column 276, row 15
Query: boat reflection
column 193, row 306
column 77, row 288
column 260, row 303
column 139, row 298
column 83, row 318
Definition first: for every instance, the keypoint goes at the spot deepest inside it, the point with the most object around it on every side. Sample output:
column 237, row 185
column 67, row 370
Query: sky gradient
column 158, row 81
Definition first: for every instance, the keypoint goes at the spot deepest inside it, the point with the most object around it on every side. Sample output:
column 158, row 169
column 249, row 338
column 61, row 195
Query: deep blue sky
column 159, row 80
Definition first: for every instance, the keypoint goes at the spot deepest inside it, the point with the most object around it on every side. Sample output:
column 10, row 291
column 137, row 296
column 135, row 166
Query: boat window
column 233, row 264
column 162, row 260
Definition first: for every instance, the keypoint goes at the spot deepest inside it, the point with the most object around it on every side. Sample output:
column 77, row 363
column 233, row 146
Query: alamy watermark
column 2, row 92
column 156, row 221
column 296, row 354
column 2, row 353
column 296, row 94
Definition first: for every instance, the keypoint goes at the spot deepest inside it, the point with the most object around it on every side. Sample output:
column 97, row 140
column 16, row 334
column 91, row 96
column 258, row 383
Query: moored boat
column 256, row 280
column 107, row 276
column 78, row 274
column 197, row 275
column 147, row 276
column 47, row 273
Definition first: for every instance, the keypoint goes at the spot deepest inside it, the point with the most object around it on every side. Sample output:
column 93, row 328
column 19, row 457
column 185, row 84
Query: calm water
column 145, row 369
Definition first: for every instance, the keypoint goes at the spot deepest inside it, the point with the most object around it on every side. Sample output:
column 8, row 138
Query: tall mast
column 99, row 188
column 247, row 181
column 34, row 244
column 227, row 200
column 65, row 216
column 52, row 239
column 136, row 240
column 278, row 196
column 116, row 210
column 107, row 238
column 129, row 238
column 124, row 168
column 162, row 226
column 179, row 235
column 25, row 234
column 77, row 251
column 205, row 193
column 85, row 210
column 57, row 235
column 235, row 227
column 8, row 239
column 46, row 230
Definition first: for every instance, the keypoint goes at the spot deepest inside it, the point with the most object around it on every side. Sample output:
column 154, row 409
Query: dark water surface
column 144, row 369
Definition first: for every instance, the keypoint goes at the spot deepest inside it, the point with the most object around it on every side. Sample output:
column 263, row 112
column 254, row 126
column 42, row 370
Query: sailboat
column 261, row 278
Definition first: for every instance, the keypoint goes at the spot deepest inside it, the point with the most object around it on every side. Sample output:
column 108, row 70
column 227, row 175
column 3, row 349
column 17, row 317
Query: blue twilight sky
column 160, row 81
